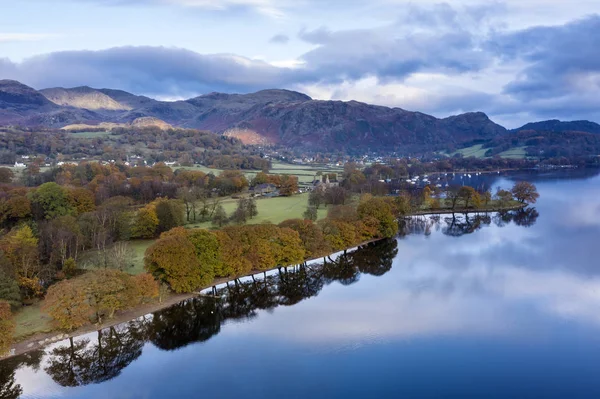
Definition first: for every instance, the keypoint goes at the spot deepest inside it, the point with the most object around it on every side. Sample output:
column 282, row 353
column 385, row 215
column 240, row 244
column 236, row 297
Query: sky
column 516, row 60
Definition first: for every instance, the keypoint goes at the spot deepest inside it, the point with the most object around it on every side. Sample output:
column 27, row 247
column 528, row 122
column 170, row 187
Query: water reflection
column 459, row 224
column 513, row 276
column 91, row 360
column 9, row 388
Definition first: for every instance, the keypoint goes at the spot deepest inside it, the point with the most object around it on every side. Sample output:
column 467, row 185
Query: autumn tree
column 426, row 197
column 68, row 305
column 6, row 175
column 207, row 249
column 173, row 260
column 380, row 210
column 7, row 327
column 81, row 200
column 504, row 197
column 525, row 192
column 20, row 247
column 402, row 204
column 469, row 196
column 15, row 207
column 232, row 251
column 289, row 185
column 312, row 238
column 108, row 291
column 145, row 223
column 346, row 213
column 288, row 248
column 147, row 287
column 338, row 234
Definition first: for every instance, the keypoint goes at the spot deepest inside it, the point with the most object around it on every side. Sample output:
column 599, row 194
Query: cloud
column 438, row 59
column 560, row 58
column 280, row 39
column 148, row 70
column 437, row 38
column 558, row 71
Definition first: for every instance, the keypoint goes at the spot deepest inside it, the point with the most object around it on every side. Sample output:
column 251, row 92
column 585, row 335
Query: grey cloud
column 382, row 53
column 148, row 70
column 280, row 39
column 561, row 59
column 439, row 38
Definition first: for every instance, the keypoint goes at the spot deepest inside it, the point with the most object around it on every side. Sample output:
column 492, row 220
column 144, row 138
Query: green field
column 515, row 153
column 478, row 151
column 30, row 320
column 270, row 210
column 139, row 248
column 305, row 173
column 90, row 135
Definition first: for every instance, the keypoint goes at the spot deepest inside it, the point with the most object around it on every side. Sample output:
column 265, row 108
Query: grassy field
column 305, row 173
column 478, row 151
column 139, row 248
column 90, row 135
column 515, row 153
column 270, row 210
column 31, row 320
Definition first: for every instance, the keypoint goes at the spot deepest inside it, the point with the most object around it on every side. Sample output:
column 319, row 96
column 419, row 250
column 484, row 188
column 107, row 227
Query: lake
column 484, row 306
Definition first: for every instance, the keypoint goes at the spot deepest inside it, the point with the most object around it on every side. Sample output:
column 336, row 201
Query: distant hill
column 555, row 125
column 275, row 116
column 83, row 97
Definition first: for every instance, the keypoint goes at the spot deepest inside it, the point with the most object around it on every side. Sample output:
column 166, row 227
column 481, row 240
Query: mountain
column 278, row 116
column 22, row 105
column 555, row 125
column 85, row 98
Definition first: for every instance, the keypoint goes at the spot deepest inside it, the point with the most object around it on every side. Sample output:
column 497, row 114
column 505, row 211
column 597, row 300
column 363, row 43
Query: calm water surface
column 505, row 306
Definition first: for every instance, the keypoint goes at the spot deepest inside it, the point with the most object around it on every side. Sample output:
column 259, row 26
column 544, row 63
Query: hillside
column 83, row 97
column 274, row 116
column 289, row 118
column 555, row 125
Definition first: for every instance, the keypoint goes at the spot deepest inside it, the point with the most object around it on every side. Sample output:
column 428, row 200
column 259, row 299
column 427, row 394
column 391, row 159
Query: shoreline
column 468, row 210
column 41, row 340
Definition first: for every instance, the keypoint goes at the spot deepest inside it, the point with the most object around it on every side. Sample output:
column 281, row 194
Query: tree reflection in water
column 458, row 224
column 94, row 359
column 9, row 388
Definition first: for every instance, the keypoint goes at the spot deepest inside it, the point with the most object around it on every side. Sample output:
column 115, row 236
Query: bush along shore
column 184, row 261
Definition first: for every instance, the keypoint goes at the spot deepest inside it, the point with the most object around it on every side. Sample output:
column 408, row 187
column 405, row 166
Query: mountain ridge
column 279, row 116
column 555, row 125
